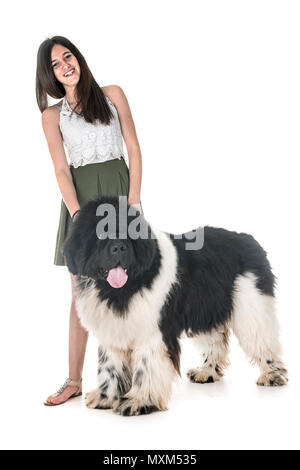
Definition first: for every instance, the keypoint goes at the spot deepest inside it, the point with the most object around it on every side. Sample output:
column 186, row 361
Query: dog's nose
column 117, row 247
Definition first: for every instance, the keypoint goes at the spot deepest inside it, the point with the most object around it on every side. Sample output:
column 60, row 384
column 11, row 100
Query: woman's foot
column 70, row 389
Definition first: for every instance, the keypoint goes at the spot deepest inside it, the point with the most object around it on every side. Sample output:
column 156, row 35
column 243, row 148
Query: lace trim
column 67, row 110
column 97, row 159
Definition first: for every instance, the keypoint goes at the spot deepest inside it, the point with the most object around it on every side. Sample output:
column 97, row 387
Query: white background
column 213, row 88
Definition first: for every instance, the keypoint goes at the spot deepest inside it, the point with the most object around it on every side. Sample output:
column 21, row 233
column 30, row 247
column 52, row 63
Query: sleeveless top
column 90, row 143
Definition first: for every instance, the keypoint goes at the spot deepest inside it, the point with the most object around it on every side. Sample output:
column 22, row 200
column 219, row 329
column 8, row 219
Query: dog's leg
column 255, row 324
column 153, row 375
column 114, row 378
column 214, row 347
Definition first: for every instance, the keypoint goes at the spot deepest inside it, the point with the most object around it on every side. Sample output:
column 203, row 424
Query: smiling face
column 63, row 62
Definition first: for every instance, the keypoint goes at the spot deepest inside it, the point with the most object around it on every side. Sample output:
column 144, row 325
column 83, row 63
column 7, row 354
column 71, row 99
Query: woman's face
column 63, row 61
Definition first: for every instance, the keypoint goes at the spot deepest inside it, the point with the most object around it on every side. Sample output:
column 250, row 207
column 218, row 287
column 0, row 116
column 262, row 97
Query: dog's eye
column 107, row 235
column 102, row 236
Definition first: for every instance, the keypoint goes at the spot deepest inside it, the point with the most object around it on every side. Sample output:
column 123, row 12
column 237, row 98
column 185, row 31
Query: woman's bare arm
column 50, row 123
column 118, row 98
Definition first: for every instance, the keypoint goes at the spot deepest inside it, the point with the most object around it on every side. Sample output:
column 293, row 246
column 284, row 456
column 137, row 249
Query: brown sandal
column 65, row 385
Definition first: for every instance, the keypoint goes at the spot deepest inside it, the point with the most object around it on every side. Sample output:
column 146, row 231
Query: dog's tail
column 255, row 260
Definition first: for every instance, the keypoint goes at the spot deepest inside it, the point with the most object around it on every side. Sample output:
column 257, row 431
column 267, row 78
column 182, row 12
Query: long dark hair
column 88, row 93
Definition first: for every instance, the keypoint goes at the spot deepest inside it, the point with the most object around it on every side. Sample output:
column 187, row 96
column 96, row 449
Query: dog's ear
column 72, row 250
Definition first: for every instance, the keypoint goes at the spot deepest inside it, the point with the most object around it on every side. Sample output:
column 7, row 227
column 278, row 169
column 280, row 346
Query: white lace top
column 90, row 143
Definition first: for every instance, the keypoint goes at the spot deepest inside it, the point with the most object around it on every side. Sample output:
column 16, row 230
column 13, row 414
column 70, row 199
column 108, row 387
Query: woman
column 90, row 121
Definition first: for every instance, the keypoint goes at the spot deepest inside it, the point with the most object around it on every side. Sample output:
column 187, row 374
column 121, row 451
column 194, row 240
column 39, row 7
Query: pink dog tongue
column 117, row 277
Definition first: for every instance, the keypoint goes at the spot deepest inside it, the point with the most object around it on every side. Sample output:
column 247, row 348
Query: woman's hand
column 138, row 206
column 75, row 215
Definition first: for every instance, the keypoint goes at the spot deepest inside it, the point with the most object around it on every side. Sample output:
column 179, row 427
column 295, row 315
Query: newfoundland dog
column 139, row 290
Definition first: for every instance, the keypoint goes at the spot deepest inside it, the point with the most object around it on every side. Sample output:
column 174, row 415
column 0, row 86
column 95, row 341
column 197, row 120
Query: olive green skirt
column 110, row 178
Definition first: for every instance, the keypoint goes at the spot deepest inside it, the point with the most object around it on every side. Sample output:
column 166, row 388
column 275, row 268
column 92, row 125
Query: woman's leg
column 77, row 345
column 77, row 341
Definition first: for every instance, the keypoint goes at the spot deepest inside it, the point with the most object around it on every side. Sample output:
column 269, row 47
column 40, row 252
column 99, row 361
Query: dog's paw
column 203, row 375
column 97, row 400
column 92, row 398
column 132, row 407
column 275, row 378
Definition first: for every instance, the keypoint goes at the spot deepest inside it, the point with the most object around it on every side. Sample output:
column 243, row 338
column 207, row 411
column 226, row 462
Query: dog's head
column 110, row 241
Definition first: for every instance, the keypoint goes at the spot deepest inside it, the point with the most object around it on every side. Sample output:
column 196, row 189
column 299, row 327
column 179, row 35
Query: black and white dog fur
column 170, row 292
